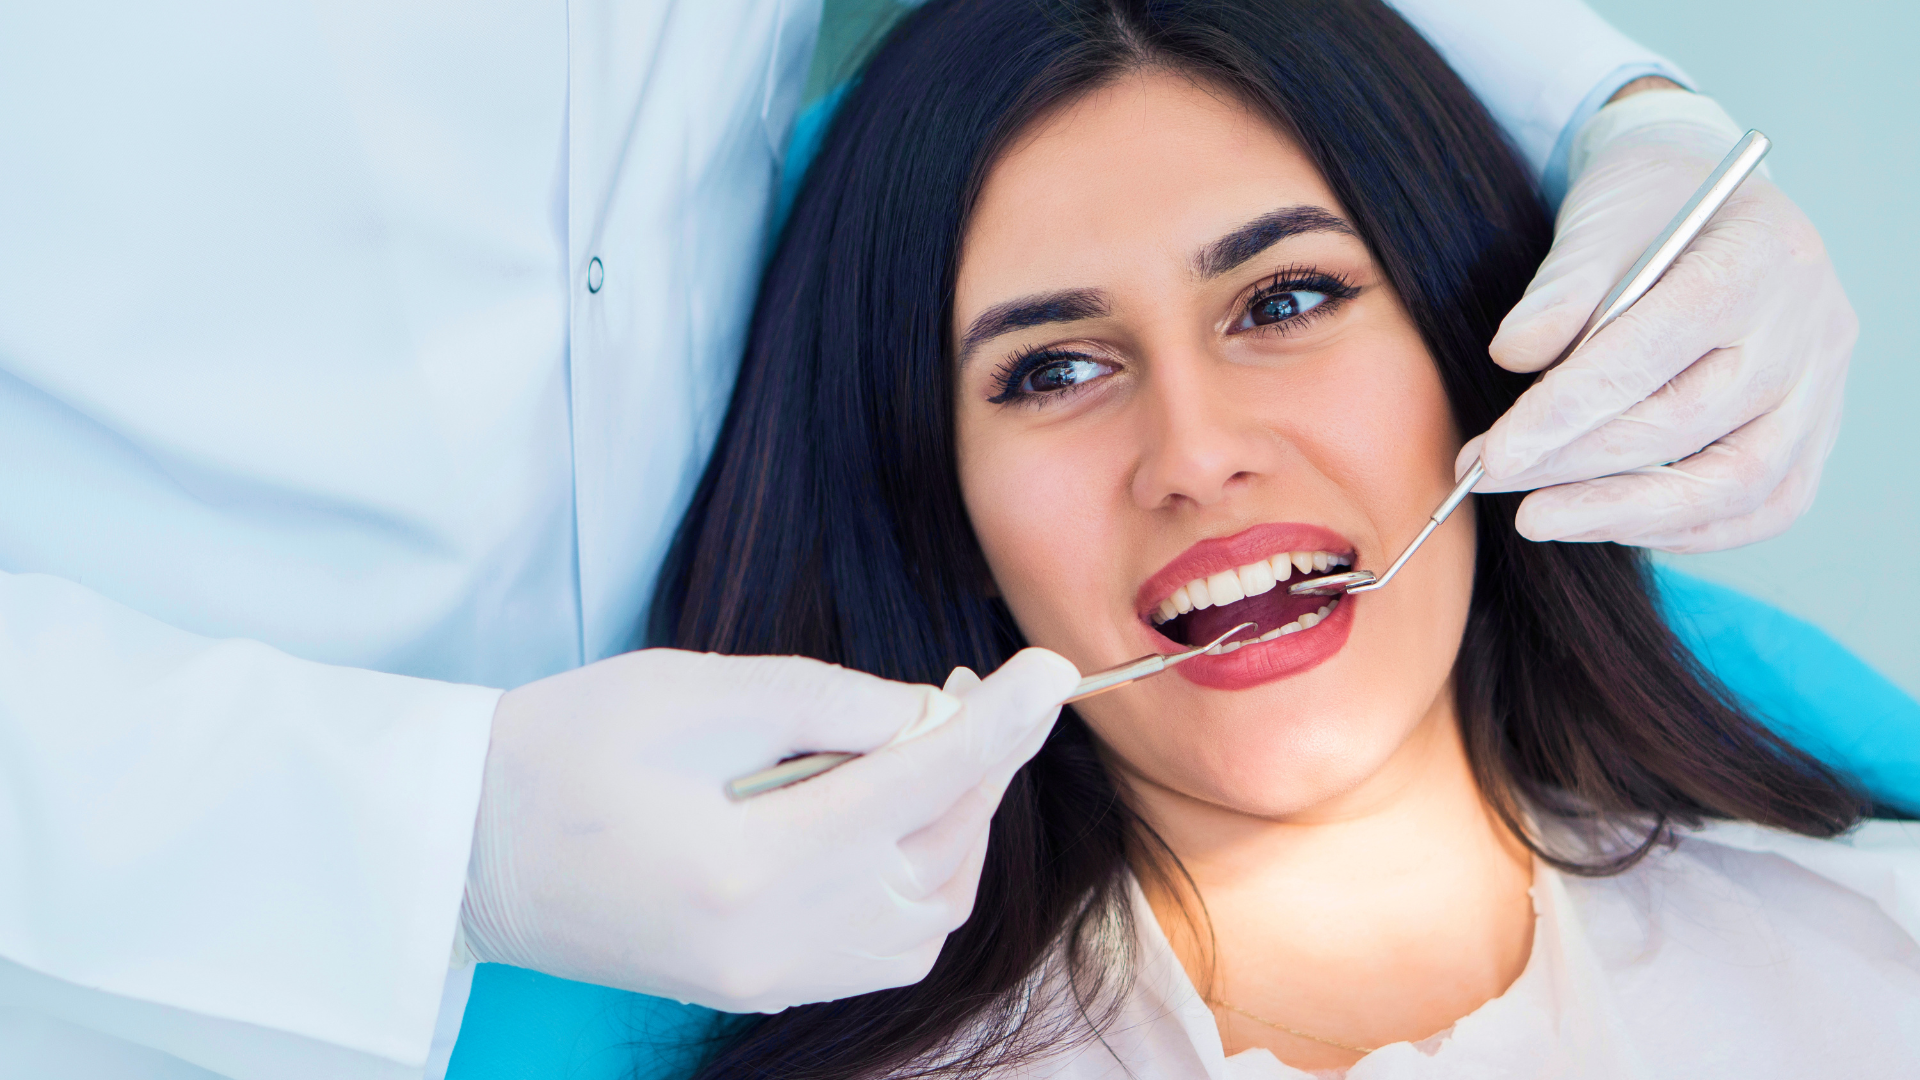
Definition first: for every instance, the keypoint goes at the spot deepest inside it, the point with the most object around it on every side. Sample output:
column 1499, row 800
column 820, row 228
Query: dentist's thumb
column 1009, row 712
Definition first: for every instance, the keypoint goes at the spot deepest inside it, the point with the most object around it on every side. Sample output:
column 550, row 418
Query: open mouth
column 1204, row 608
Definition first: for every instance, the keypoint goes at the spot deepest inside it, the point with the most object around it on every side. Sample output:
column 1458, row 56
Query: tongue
column 1271, row 610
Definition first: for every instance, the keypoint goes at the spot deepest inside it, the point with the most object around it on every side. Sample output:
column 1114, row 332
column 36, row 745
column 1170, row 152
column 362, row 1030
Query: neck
column 1384, row 914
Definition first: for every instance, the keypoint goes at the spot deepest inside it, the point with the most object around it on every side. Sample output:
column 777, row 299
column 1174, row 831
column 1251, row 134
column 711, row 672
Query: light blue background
column 1837, row 87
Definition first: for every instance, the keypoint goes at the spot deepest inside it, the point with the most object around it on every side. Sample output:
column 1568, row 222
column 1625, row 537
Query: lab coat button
column 595, row 274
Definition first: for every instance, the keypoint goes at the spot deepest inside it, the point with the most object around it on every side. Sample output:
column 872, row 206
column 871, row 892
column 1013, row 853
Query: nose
column 1201, row 440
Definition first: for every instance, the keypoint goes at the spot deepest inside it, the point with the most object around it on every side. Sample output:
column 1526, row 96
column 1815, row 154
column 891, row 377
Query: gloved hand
column 607, row 852
column 1731, row 368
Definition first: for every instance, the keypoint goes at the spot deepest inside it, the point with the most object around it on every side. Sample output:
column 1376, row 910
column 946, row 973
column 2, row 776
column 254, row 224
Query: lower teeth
column 1306, row 622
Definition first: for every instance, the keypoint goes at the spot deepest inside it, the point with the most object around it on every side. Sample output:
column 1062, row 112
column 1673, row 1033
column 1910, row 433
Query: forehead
column 1153, row 165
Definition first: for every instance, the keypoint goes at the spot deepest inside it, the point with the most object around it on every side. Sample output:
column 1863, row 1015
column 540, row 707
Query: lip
column 1209, row 557
column 1253, row 665
column 1281, row 658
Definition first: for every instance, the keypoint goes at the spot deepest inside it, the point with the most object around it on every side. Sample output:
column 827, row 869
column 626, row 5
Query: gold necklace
column 1230, row 1006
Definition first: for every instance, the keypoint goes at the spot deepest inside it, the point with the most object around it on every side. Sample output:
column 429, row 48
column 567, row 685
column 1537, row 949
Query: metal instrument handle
column 1684, row 229
column 1115, row 677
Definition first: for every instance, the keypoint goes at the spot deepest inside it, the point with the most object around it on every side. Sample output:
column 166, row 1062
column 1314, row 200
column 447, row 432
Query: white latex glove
column 606, row 850
column 1731, row 368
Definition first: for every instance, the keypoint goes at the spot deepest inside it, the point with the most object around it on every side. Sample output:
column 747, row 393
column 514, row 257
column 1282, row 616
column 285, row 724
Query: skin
column 1357, row 884
column 1643, row 84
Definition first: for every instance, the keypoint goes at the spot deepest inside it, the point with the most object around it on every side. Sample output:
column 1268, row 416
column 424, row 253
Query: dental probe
column 808, row 766
column 1151, row 664
column 1681, row 232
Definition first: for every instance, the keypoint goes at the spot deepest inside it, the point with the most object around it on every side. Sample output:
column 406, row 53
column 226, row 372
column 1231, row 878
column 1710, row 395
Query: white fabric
column 1542, row 68
column 295, row 822
column 1744, row 954
column 453, row 1009
column 299, row 367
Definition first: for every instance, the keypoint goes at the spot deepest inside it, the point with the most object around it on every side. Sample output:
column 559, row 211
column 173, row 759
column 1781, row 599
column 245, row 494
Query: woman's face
column 1177, row 364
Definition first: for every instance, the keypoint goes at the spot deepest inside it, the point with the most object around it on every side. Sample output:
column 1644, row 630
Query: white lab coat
column 356, row 357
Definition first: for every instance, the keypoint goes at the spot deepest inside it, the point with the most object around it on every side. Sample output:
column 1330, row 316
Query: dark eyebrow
column 1068, row 305
column 1262, row 233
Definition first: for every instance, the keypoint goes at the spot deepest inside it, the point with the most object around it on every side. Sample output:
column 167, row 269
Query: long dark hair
column 830, row 522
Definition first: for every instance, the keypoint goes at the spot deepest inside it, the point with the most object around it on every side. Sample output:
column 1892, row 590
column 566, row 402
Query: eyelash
column 1021, row 364
column 1335, row 287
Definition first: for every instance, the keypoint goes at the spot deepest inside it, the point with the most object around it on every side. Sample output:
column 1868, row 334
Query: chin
column 1262, row 752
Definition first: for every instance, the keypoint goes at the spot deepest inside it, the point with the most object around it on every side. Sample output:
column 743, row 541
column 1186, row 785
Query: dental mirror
column 1359, row 581
column 1685, row 227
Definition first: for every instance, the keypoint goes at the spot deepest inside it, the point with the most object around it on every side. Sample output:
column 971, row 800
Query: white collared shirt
column 1742, row 954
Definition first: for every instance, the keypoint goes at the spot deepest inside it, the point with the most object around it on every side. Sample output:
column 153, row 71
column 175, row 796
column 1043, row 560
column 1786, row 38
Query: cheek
column 1042, row 509
column 1007, row 516
column 1375, row 449
column 1385, row 431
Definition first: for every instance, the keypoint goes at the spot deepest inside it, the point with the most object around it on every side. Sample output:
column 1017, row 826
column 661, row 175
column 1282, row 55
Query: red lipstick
column 1252, row 664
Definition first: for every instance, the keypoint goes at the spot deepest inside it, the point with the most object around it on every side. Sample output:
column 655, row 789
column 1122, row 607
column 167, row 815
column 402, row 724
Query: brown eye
column 1277, row 307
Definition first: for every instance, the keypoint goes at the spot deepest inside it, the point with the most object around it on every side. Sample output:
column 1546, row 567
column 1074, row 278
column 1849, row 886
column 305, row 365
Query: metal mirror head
column 1330, row 584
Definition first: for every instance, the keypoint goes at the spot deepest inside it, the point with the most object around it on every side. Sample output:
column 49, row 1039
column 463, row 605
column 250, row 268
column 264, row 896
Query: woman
column 1098, row 320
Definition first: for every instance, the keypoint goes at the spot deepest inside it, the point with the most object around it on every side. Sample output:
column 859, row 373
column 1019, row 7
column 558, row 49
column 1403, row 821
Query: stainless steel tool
column 1152, row 664
column 806, row 766
column 1681, row 232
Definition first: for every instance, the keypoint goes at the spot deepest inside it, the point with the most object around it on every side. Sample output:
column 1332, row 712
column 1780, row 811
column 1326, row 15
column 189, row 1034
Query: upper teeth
column 1229, row 586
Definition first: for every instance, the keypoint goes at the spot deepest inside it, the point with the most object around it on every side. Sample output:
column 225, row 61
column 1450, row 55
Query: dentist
column 357, row 361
